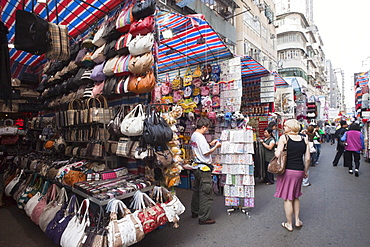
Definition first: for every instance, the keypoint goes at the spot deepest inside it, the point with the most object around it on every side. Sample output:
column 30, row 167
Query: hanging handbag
column 124, row 228
column 121, row 68
column 124, row 20
column 50, row 195
column 59, row 45
column 52, row 208
column 109, row 66
column 98, row 39
column 95, row 235
column 143, row 8
column 110, row 50
column 133, row 122
column 142, row 26
column 122, row 44
column 75, row 229
column 98, row 55
column 31, row 204
column 87, row 61
column 97, row 73
column 277, row 164
column 143, row 83
column 98, row 89
column 12, row 183
column 115, row 123
column 141, row 64
column 177, row 82
column 141, row 44
column 150, row 214
column 58, row 224
column 156, row 130
column 163, row 158
column 188, row 77
column 31, row 33
column 166, row 86
column 197, row 72
column 110, row 86
column 29, row 192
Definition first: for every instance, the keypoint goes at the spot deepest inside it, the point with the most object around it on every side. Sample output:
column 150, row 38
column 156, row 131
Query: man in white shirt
column 202, row 167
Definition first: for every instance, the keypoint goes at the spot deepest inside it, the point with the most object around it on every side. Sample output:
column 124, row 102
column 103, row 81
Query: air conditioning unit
column 261, row 7
column 256, row 18
column 227, row 11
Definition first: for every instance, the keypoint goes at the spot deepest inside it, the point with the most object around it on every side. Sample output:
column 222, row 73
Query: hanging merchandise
column 122, row 44
column 141, row 44
column 143, row 8
column 109, row 66
column 133, row 122
column 98, row 55
column 124, row 20
column 97, row 73
column 141, row 64
column 188, row 78
column 142, row 26
column 156, row 130
column 59, row 45
column 31, row 33
column 110, row 50
column 121, row 68
column 177, row 82
column 143, row 83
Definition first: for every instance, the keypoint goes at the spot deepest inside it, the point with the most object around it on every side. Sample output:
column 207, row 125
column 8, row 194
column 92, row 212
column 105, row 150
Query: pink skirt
column 288, row 185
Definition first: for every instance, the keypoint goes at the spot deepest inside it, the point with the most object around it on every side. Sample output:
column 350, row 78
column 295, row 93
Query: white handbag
column 75, row 229
column 141, row 44
column 31, row 204
column 133, row 123
column 125, row 231
column 98, row 37
column 109, row 66
column 12, row 183
column 98, row 56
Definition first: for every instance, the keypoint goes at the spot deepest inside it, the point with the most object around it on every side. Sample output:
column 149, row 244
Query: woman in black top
column 268, row 144
column 289, row 184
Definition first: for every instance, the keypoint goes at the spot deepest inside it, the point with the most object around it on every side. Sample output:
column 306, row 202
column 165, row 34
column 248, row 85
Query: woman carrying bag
column 268, row 144
column 289, row 183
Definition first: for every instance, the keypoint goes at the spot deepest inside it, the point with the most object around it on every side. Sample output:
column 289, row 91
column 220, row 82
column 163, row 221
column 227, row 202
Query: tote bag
column 76, row 227
column 133, row 123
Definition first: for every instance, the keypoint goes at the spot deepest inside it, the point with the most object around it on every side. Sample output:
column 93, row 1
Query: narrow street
column 334, row 211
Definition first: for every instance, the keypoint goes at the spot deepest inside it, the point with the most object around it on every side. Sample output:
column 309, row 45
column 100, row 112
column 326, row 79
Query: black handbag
column 110, row 85
column 31, row 33
column 110, row 50
column 143, row 8
column 114, row 126
column 156, row 130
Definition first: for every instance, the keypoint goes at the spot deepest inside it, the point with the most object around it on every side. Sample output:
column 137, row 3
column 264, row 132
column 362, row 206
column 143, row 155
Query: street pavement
column 334, row 211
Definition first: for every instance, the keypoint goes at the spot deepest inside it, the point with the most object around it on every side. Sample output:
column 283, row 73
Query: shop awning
column 279, row 81
column 193, row 42
column 252, row 69
column 77, row 15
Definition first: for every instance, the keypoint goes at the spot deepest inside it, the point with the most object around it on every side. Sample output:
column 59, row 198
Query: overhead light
column 10, row 46
column 41, row 1
column 167, row 34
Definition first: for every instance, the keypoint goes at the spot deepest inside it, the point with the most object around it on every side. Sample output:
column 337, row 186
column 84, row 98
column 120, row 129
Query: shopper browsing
column 268, row 144
column 289, row 184
column 201, row 202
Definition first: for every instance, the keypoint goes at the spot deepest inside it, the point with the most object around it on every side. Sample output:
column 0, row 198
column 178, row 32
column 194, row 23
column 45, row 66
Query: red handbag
column 142, row 26
column 150, row 214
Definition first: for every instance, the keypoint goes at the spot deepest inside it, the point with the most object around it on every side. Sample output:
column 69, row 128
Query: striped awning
column 279, row 81
column 77, row 15
column 252, row 69
column 193, row 42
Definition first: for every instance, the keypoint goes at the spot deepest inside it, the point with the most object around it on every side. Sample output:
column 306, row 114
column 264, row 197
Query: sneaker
column 194, row 215
column 356, row 172
column 207, row 222
column 350, row 172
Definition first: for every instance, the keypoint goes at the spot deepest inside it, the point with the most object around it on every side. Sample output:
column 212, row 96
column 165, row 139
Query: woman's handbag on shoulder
column 277, row 164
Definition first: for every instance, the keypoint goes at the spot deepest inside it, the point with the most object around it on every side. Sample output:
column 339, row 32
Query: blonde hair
column 293, row 125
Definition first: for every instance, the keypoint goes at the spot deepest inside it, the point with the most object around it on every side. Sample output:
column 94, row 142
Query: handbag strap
column 72, row 205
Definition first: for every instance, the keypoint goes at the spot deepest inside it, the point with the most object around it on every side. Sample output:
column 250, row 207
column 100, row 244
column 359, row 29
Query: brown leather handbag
column 73, row 177
column 140, row 84
column 277, row 164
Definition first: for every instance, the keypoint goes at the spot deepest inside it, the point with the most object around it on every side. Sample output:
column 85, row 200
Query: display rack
column 238, row 167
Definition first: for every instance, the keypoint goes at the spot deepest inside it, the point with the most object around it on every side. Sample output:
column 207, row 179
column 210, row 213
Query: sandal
column 299, row 226
column 284, row 224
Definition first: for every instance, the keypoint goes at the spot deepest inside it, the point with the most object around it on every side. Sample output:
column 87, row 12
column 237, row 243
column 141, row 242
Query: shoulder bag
column 141, row 44
column 156, row 130
column 114, row 124
column 125, row 230
column 40, row 206
column 75, row 229
column 143, row 83
column 277, row 164
column 133, row 123
column 143, row 8
column 31, row 204
column 141, row 64
column 59, row 46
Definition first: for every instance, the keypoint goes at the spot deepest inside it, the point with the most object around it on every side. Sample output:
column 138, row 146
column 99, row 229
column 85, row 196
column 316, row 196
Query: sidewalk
column 334, row 211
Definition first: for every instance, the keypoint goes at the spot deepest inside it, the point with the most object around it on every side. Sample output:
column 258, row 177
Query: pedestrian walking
column 332, row 130
column 340, row 145
column 354, row 144
column 202, row 199
column 289, row 184
column 268, row 144
column 317, row 140
column 305, row 181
